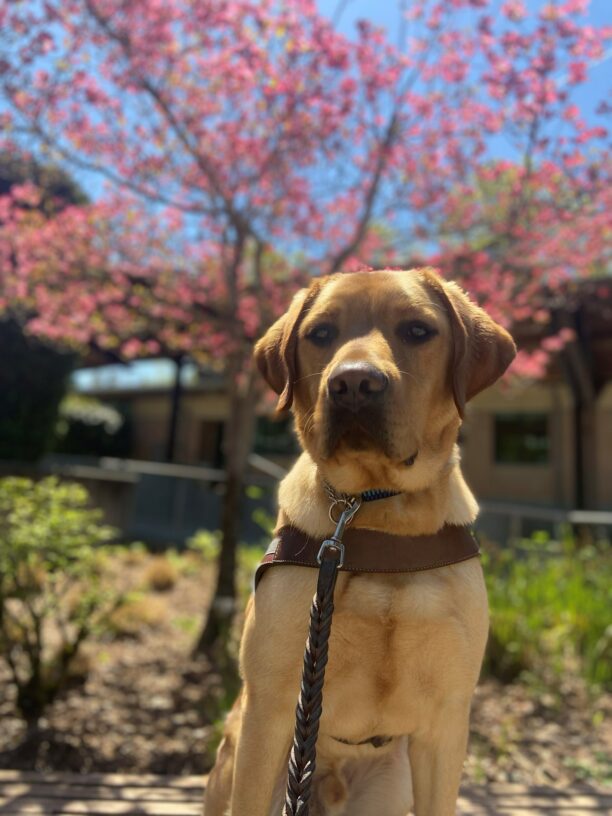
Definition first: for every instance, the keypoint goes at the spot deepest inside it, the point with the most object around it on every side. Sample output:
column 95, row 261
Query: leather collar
column 374, row 551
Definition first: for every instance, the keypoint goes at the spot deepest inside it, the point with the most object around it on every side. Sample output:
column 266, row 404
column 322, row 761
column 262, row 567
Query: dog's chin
column 355, row 471
column 345, row 433
column 354, row 440
column 356, row 456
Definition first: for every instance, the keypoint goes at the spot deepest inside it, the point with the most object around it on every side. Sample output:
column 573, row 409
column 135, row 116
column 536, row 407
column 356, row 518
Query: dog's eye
column 415, row 331
column 323, row 335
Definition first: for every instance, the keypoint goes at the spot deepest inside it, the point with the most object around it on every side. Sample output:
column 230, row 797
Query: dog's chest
column 398, row 645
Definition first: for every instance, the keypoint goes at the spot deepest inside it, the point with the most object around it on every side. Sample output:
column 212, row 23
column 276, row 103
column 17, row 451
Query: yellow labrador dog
column 378, row 367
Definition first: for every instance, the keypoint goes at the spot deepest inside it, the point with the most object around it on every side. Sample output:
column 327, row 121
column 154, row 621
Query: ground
column 146, row 705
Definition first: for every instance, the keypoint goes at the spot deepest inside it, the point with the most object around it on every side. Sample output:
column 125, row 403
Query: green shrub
column 207, row 545
column 52, row 592
column 264, row 519
column 550, row 611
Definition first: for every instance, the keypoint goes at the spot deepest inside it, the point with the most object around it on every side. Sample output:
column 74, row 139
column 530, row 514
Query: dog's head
column 378, row 367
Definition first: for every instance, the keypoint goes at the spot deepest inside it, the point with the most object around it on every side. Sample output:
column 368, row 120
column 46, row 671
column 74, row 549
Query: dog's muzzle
column 356, row 385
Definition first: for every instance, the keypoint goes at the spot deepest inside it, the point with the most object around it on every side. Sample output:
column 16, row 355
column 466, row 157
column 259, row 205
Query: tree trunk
column 579, row 374
column 237, row 441
column 585, row 449
column 175, row 407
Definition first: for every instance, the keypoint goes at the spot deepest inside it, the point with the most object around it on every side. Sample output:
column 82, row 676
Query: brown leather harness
column 373, row 551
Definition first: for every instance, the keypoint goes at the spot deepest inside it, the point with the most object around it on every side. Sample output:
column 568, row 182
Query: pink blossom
column 577, row 72
column 514, row 9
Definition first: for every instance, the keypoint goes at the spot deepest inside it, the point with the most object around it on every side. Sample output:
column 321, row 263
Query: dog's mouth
column 361, row 431
column 365, row 430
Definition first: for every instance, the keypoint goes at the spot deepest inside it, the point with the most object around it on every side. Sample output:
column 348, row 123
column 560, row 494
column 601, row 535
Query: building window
column 275, row 436
column 210, row 451
column 522, row 439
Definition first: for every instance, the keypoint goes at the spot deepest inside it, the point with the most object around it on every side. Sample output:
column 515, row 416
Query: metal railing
column 168, row 502
column 112, row 468
column 160, row 502
column 595, row 518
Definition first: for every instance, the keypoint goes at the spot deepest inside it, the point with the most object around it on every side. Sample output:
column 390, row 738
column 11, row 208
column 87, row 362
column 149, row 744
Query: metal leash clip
column 342, row 500
column 351, row 506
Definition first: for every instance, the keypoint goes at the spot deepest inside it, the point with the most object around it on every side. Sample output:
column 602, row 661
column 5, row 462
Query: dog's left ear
column 483, row 349
column 276, row 352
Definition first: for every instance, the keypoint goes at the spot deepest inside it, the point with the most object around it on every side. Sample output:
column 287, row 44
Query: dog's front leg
column 271, row 663
column 436, row 762
column 261, row 756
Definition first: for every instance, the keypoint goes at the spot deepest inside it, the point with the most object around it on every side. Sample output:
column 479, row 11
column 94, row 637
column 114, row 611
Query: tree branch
column 206, row 166
column 114, row 178
column 370, row 197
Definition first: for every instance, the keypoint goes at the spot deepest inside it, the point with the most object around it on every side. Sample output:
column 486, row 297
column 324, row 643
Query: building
column 202, row 411
column 519, row 445
column 546, row 443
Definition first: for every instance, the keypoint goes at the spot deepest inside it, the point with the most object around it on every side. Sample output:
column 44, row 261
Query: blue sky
column 385, row 13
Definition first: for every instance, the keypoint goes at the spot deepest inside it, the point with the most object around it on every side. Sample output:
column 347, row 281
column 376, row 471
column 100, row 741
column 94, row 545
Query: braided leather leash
column 309, row 707
column 302, row 759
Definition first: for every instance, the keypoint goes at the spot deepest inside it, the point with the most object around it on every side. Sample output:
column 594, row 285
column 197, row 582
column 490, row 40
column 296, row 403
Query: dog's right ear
column 276, row 352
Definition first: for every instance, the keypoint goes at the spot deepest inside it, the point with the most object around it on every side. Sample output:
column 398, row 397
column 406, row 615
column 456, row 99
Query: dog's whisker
column 306, row 376
column 309, row 420
column 408, row 374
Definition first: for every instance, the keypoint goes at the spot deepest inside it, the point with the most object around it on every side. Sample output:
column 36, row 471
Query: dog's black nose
column 354, row 385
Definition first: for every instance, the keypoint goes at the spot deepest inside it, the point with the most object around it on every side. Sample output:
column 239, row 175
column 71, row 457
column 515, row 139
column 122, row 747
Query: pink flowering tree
column 252, row 131
column 528, row 240
column 103, row 279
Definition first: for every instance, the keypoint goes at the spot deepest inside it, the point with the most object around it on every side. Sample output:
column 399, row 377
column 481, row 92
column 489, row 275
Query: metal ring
column 331, row 514
column 335, row 504
column 347, row 505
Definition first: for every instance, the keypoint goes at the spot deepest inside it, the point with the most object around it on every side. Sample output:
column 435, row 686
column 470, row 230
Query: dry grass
column 138, row 614
column 161, row 575
column 135, row 555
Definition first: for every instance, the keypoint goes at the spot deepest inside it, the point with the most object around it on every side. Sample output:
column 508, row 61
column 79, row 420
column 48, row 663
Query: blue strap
column 374, row 495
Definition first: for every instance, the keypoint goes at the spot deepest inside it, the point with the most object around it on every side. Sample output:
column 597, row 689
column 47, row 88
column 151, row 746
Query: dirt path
column 146, row 706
